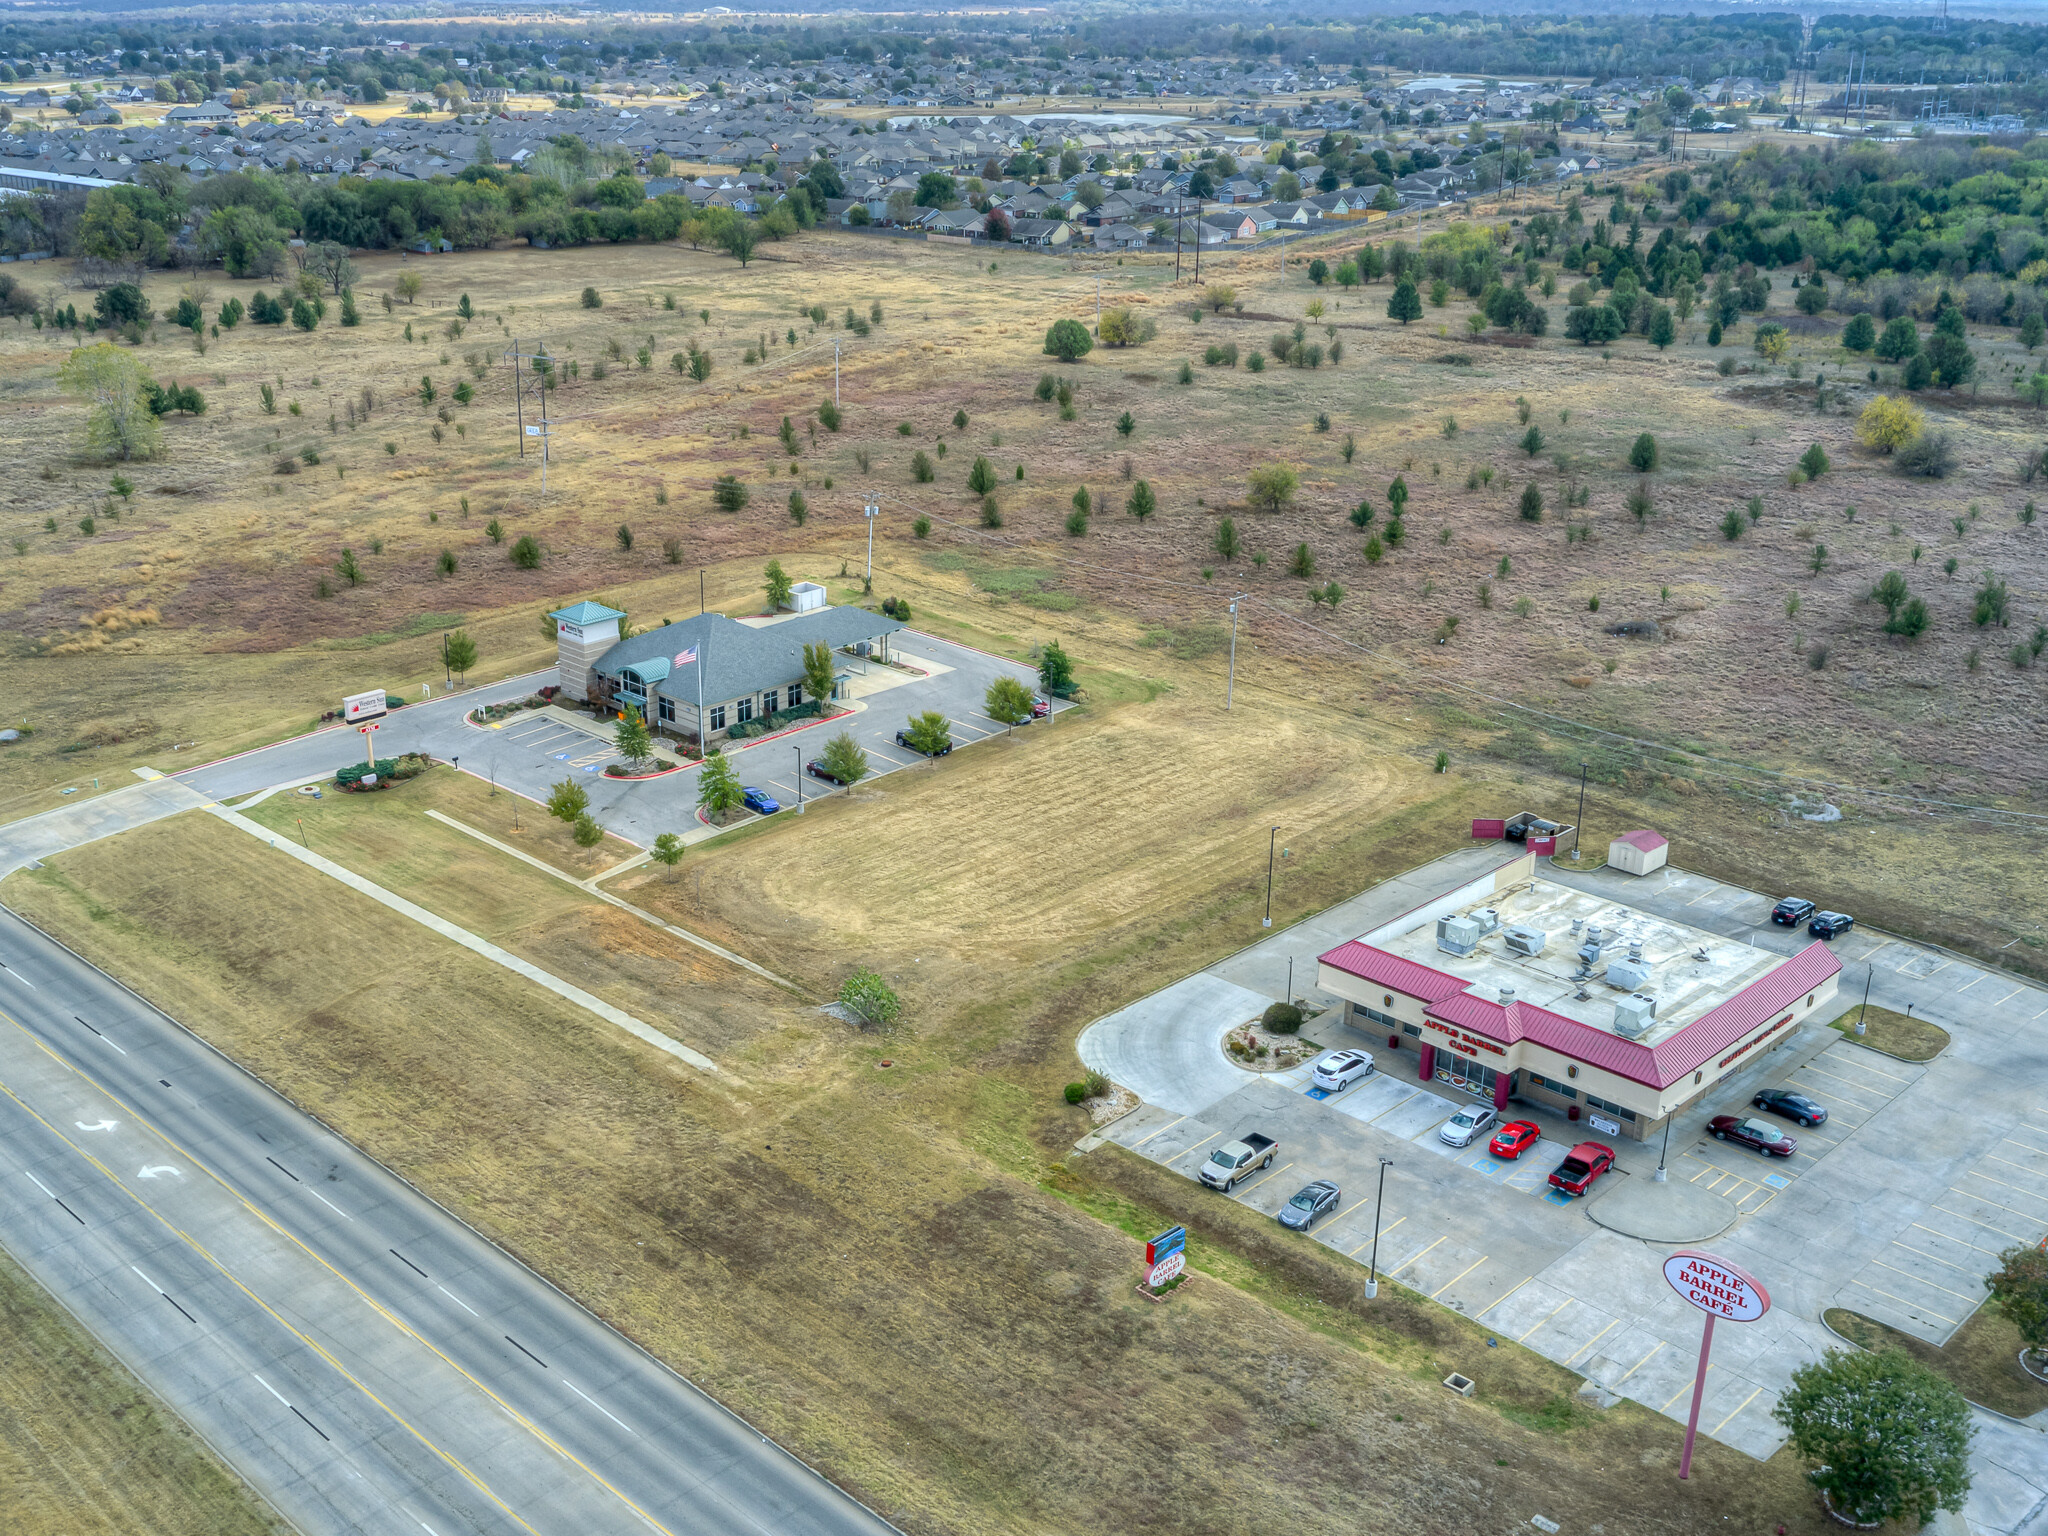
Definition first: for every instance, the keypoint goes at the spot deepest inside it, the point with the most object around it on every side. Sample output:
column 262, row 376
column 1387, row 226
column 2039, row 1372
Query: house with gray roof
column 740, row 672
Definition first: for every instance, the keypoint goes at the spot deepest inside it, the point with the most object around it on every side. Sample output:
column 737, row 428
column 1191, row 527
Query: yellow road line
column 386, row 1313
column 1383, row 1232
column 1176, row 1120
column 1273, row 1175
column 1524, row 1338
column 1461, row 1274
column 1510, row 1291
column 1354, row 1205
column 1399, row 1267
column 1196, row 1146
column 1738, row 1408
column 1592, row 1341
column 1640, row 1363
column 1711, row 1366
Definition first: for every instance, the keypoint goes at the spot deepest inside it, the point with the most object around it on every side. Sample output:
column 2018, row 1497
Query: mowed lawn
column 903, row 1270
column 86, row 1450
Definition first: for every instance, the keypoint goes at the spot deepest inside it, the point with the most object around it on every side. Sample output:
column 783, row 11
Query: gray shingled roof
column 740, row 659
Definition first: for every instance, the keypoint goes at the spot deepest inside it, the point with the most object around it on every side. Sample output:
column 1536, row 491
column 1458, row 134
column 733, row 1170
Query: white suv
column 1340, row 1069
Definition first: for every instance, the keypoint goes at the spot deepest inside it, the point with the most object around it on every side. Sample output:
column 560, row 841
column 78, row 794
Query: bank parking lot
column 1896, row 1207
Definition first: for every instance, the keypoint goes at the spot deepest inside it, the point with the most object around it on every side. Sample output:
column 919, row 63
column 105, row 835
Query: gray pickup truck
column 1232, row 1161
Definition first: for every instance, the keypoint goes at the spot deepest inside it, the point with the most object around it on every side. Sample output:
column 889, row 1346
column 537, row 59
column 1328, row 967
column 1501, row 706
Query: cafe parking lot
column 1894, row 1208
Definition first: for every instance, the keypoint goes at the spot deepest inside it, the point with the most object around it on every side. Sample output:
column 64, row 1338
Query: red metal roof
column 1393, row 972
column 1657, row 1066
column 1646, row 840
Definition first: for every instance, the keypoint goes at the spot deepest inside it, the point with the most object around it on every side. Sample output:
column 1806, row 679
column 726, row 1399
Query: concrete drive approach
column 362, row 1358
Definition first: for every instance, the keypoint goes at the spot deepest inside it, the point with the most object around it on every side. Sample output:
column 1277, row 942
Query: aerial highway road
column 362, row 1358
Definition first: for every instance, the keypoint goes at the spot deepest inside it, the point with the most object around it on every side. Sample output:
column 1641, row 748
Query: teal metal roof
column 650, row 672
column 586, row 613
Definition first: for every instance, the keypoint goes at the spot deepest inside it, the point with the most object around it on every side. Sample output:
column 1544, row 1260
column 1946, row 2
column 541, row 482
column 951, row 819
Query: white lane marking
column 598, row 1406
column 426, row 1527
column 104, row 1125
column 149, row 1282
column 39, row 1184
column 116, row 1047
column 271, row 1390
column 344, row 1215
column 472, row 1311
column 10, row 970
column 156, row 1170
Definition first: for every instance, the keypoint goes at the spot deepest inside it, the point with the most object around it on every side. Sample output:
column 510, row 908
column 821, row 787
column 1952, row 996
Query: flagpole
column 703, row 737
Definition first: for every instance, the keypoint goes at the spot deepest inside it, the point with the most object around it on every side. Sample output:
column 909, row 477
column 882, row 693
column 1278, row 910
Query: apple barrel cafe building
column 1514, row 987
column 746, row 672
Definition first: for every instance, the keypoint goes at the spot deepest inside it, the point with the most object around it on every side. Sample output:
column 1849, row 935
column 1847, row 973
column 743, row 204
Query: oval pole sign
column 1715, row 1286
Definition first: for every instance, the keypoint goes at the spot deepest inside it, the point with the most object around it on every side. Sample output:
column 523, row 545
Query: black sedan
column 1758, row 1134
column 1315, row 1200
column 903, row 740
column 817, row 770
column 1792, row 911
column 1830, row 925
column 1793, row 1106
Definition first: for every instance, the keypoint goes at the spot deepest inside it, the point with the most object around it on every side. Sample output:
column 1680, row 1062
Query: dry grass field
column 86, row 1450
column 969, row 1356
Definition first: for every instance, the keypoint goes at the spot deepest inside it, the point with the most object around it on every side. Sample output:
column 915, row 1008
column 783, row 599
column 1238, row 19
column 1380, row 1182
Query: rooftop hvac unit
column 1631, row 975
column 1457, row 935
column 1487, row 918
column 1634, row 1014
column 1523, row 940
column 1590, row 950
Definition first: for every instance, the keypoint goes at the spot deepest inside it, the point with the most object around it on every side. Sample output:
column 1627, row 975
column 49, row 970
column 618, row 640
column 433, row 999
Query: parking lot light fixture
column 799, row 778
column 1661, row 1176
column 1372, row 1268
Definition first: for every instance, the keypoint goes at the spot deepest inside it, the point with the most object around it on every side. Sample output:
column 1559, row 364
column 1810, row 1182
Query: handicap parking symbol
column 1776, row 1180
column 560, row 757
column 1318, row 1094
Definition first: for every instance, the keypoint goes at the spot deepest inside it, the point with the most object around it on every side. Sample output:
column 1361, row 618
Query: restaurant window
column 1537, row 1079
column 743, row 711
column 718, row 717
column 1613, row 1109
column 1384, row 1020
column 668, row 710
column 796, row 694
column 768, row 699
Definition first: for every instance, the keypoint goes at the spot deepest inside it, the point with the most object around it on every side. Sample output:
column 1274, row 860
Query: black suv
column 1792, row 911
column 1828, row 925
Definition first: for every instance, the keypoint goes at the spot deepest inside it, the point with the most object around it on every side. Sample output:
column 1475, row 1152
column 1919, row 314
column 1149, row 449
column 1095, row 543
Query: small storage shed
column 806, row 597
column 1637, row 853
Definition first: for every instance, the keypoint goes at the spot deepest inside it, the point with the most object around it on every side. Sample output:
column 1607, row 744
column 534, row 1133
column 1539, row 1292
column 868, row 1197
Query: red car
column 1760, row 1134
column 1514, row 1138
column 1588, row 1160
column 1040, row 708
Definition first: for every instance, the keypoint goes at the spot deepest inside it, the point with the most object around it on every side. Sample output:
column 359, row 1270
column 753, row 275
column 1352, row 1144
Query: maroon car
column 1759, row 1134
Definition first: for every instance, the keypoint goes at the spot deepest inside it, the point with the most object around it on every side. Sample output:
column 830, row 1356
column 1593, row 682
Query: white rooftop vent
column 1590, row 950
column 1457, row 935
column 1631, row 975
column 1507, row 996
column 1634, row 1014
column 1523, row 940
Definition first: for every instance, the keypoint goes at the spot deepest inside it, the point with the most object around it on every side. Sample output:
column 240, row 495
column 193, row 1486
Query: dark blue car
column 759, row 801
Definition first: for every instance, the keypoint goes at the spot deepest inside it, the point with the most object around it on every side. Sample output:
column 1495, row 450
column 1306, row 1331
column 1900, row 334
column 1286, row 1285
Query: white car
column 1466, row 1124
column 1340, row 1069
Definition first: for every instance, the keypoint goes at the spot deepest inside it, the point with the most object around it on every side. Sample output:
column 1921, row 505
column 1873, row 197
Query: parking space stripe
column 1944, row 1263
column 1383, row 1232
column 1269, row 1177
column 1192, row 1146
column 2006, row 1162
column 1716, row 1430
column 1959, row 1296
column 1640, row 1363
column 1952, row 1238
column 1969, row 984
column 1616, row 1323
column 1166, row 1127
column 1461, row 1274
column 1974, row 1174
column 2015, row 992
column 1510, row 1291
column 1912, row 1306
column 1399, row 1267
column 1862, row 1087
column 1984, row 1224
column 1354, row 1205
column 1712, row 1365
column 1524, row 1338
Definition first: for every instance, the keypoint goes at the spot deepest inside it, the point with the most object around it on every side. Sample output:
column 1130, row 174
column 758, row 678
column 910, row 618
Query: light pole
column 1579, row 831
column 871, row 514
column 1660, row 1176
column 1372, row 1268
column 1230, row 688
column 799, row 778
column 1868, row 972
column 1271, row 843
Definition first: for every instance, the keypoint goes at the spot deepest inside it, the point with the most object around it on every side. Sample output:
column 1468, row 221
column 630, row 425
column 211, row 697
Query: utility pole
column 1230, row 688
column 835, row 373
column 1272, row 842
column 539, row 385
column 871, row 514
column 1098, row 305
column 1579, row 830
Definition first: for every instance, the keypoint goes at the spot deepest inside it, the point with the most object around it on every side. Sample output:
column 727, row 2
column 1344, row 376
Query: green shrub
column 1281, row 1018
column 1076, row 1092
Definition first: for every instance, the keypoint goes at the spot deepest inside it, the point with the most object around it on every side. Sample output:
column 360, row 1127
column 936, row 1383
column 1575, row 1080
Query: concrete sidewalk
column 617, row 1017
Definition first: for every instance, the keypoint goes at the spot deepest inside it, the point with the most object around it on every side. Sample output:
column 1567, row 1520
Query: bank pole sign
column 1719, row 1289
column 1165, row 1256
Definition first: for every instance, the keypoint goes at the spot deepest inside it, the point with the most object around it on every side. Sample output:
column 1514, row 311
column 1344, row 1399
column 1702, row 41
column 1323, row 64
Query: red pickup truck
column 1588, row 1160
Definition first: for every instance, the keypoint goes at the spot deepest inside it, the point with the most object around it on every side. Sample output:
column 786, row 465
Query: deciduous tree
column 1888, row 1437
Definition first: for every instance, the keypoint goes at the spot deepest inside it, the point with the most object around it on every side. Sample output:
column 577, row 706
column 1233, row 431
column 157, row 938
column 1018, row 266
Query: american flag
column 686, row 657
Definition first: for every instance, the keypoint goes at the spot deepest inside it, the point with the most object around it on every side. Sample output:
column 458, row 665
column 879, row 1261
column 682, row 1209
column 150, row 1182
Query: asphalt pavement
column 362, row 1358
